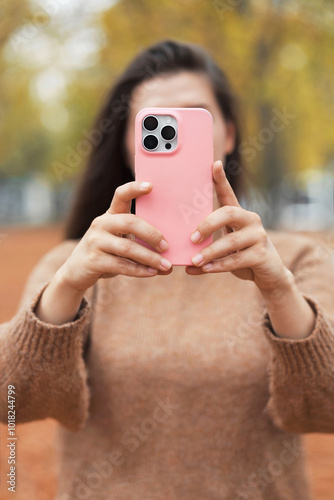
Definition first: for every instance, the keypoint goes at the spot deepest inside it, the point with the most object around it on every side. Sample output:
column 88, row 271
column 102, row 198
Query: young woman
column 192, row 382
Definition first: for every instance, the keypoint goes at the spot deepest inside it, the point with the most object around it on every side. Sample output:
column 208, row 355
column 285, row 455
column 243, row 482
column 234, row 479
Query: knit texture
column 176, row 387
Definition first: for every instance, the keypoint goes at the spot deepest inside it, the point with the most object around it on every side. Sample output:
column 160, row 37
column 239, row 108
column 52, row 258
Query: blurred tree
column 12, row 16
column 272, row 57
column 278, row 55
column 16, row 109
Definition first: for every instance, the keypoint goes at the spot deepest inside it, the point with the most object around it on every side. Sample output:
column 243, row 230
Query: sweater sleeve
column 44, row 362
column 301, row 371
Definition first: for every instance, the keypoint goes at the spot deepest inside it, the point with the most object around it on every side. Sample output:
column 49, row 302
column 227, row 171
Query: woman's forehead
column 184, row 89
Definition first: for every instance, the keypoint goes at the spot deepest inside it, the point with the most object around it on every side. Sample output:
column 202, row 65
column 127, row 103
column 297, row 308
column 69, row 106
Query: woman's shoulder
column 46, row 267
column 58, row 254
column 294, row 247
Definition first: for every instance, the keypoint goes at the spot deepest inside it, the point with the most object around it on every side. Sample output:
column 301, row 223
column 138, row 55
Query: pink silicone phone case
column 182, row 193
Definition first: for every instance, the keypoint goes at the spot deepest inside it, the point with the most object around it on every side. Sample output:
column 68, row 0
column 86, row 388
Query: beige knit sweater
column 175, row 387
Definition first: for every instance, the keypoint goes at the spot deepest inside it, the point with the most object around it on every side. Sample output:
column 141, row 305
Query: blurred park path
column 20, row 250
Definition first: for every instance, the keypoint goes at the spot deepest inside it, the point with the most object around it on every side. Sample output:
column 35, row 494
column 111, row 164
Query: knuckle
column 126, row 244
column 122, row 264
column 263, row 235
column 96, row 222
column 205, row 227
column 118, row 191
column 138, row 269
column 91, row 240
column 130, row 222
column 152, row 234
column 256, row 218
column 233, row 238
column 153, row 259
column 229, row 210
column 93, row 259
column 261, row 253
column 209, row 254
column 235, row 258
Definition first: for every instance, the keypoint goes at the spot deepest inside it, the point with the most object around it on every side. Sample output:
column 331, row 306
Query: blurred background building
column 59, row 57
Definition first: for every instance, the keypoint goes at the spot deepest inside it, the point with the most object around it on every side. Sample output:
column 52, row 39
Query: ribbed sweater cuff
column 310, row 355
column 45, row 340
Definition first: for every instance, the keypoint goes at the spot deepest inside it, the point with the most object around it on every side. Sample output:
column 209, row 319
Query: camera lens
column 150, row 142
column 168, row 133
column 150, row 123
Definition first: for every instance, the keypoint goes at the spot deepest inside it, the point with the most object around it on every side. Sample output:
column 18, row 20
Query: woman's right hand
column 104, row 252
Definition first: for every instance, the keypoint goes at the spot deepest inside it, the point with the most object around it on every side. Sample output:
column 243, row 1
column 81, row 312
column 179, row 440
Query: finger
column 131, row 223
column 128, row 249
column 232, row 242
column 164, row 273
column 193, row 270
column 124, row 194
column 111, row 265
column 230, row 216
column 225, row 193
column 247, row 258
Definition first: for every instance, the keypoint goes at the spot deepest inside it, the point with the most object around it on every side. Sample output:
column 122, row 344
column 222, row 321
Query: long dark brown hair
column 107, row 167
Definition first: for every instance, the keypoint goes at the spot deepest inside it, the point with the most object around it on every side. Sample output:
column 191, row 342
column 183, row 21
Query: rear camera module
column 159, row 132
column 150, row 123
column 150, row 142
column 168, row 133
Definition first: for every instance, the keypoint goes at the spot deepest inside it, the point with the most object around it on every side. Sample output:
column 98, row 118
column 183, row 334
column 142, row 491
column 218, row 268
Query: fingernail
column 165, row 264
column 144, row 185
column 207, row 266
column 219, row 164
column 152, row 270
column 197, row 259
column 163, row 245
column 196, row 236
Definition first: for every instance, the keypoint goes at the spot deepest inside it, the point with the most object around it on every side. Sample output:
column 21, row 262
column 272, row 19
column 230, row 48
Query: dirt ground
column 20, row 250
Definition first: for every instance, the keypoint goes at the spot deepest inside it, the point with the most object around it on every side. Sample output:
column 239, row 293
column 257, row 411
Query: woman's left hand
column 244, row 249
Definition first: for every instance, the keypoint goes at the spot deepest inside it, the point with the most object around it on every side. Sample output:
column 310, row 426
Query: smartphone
column 174, row 151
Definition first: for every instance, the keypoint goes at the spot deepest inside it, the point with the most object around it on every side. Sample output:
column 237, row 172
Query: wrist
column 291, row 316
column 280, row 292
column 59, row 302
column 64, row 285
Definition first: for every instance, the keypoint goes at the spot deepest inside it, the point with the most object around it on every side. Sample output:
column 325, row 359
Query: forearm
column 290, row 314
column 59, row 302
